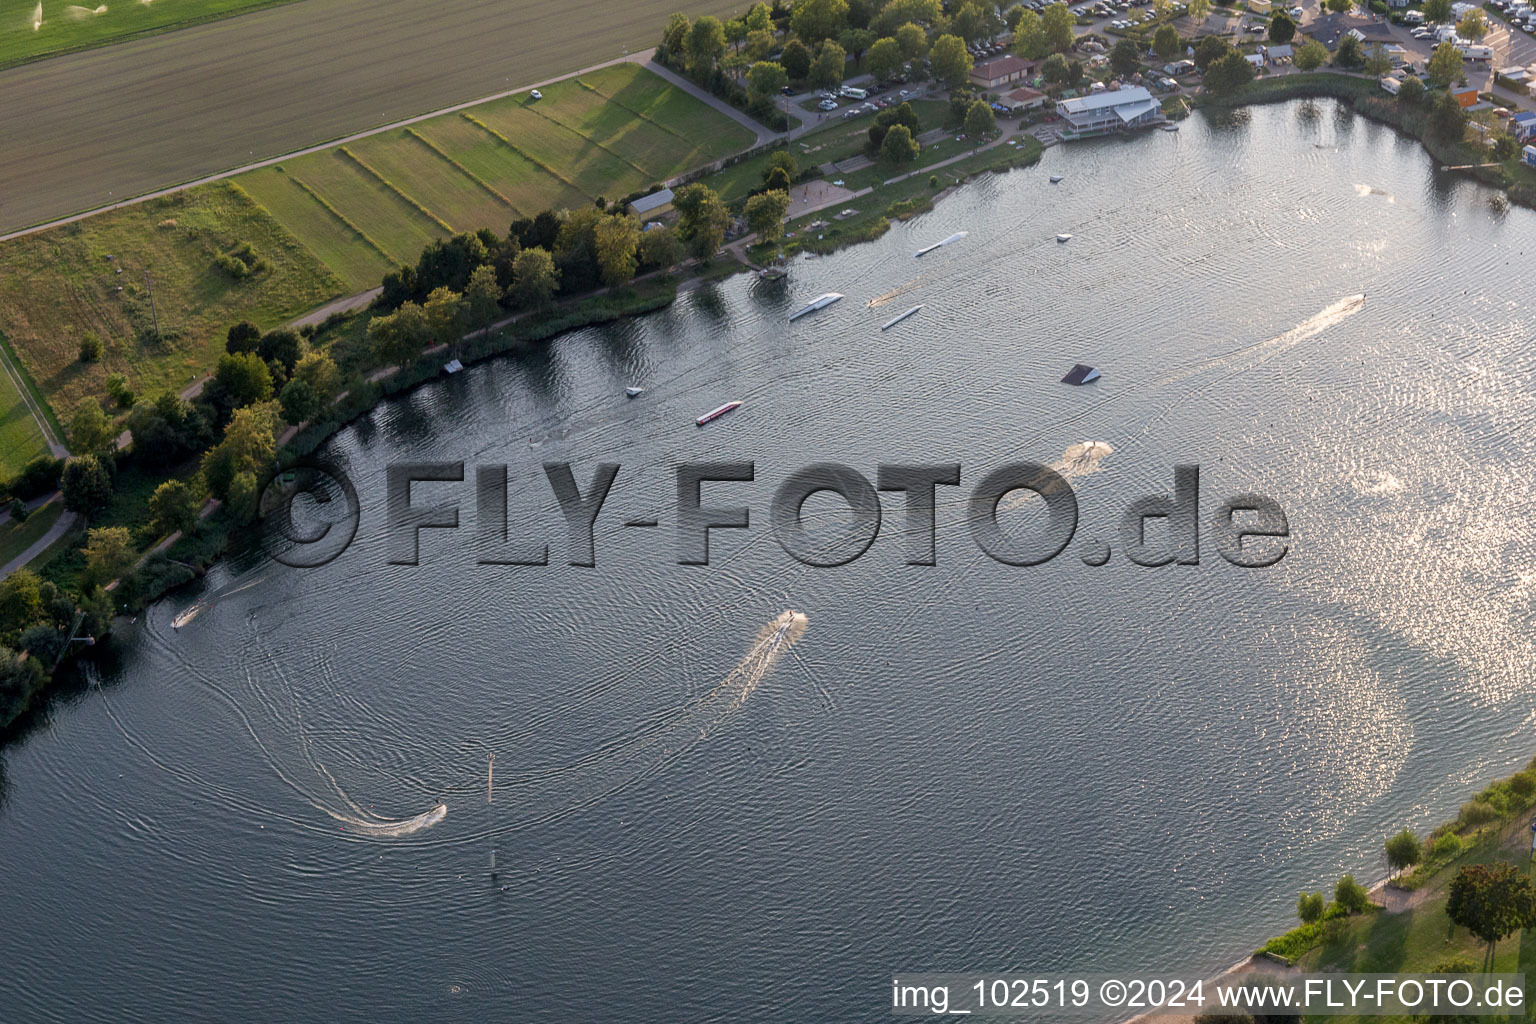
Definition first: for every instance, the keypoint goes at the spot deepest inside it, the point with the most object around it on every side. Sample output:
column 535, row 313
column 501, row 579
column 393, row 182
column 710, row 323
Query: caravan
column 1470, row 51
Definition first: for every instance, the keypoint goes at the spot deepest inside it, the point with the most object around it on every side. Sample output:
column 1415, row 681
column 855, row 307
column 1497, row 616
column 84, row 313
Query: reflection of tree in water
column 5, row 786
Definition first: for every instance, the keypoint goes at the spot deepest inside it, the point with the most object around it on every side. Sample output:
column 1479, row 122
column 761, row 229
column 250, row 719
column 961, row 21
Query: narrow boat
column 715, row 414
column 632, row 391
column 821, row 302
column 896, row 320
column 1063, row 238
column 1056, row 179
column 939, row 245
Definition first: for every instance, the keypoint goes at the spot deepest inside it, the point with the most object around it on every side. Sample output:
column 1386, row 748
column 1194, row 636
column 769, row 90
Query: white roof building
column 1116, row 110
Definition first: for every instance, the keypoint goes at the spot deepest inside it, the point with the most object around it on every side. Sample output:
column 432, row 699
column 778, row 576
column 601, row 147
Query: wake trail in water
column 202, row 604
column 544, row 796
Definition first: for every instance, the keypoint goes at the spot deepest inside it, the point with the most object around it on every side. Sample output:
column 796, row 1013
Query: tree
column 899, row 147
column 1505, row 146
column 1412, row 92
column 674, row 38
column 242, row 337
column 1339, row 6
column 1377, row 63
column 1199, row 10
column 1445, row 65
column 1228, row 74
column 1310, row 907
column 38, row 477
column 759, row 46
column 1209, row 50
column 482, row 303
column 1350, row 54
column 1403, row 851
column 1310, row 55
column 1437, row 12
column 534, row 278
column 90, row 430
column 617, row 239
column 815, row 20
column 1059, row 25
column 971, row 22
column 249, row 446
column 898, row 12
column 1351, row 895
column 884, row 59
column 765, row 78
column 1029, row 37
column 702, row 219
column 660, row 249
column 90, row 348
column 1282, row 29
column 173, row 506
column 765, row 214
column 979, row 119
column 243, row 377
column 827, row 70
column 1125, row 58
column 951, row 61
column 1492, row 901
column 759, row 19
column 446, row 315
column 109, row 555
column 1166, row 42
column 1447, row 119
column 706, row 42
column 857, row 41
column 87, row 484
column 796, row 59
column 283, row 347
column 318, row 370
column 913, row 41
column 21, row 601
column 1057, row 70
column 298, row 402
column 398, row 338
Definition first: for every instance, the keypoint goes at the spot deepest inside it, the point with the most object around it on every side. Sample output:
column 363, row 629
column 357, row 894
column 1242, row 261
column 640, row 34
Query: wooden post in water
column 493, row 862
column 490, row 789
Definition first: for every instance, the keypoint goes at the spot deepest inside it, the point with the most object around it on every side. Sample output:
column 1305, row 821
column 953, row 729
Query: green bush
column 1351, row 895
column 90, row 348
column 1474, row 813
column 1447, row 846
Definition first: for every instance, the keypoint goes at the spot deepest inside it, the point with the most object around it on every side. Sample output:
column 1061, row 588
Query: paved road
column 764, row 135
column 61, row 526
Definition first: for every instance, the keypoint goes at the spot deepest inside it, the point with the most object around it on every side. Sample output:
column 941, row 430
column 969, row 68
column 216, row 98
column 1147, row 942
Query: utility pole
column 149, row 284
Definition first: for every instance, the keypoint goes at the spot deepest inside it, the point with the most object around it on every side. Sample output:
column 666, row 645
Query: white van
column 853, row 93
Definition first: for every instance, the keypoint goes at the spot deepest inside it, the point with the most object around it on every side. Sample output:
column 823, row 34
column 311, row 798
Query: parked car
column 827, row 105
column 536, row 94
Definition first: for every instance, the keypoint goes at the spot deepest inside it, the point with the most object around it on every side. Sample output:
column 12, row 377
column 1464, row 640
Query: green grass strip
column 32, row 390
column 359, row 232
column 397, row 190
column 648, row 120
column 583, row 135
column 540, row 164
column 471, row 175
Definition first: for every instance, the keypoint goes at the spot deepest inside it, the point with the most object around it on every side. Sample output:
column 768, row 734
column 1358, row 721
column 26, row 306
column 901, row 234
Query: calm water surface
column 961, row 767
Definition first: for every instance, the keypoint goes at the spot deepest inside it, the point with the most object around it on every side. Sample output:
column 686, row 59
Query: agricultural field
column 374, row 203
column 54, row 26
column 88, row 278
column 87, row 129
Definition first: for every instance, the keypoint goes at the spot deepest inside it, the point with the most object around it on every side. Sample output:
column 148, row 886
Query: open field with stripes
column 57, row 26
column 88, row 129
column 324, row 225
column 369, row 205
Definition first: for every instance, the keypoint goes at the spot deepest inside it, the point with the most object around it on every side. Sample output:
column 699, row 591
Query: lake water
column 968, row 766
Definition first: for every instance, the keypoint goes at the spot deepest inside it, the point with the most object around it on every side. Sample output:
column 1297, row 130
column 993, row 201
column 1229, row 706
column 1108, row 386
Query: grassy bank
column 1416, row 935
column 1366, row 97
column 65, row 28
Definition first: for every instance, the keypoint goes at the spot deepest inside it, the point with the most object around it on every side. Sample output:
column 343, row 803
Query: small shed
column 653, row 205
column 1529, row 156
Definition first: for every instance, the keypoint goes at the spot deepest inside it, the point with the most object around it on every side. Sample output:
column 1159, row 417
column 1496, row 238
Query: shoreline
column 661, row 291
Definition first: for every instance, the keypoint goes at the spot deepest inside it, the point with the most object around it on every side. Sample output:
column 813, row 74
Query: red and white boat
column 715, row 414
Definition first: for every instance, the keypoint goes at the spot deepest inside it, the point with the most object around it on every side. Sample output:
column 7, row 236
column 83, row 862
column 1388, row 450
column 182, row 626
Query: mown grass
column 57, row 286
column 65, row 31
column 17, row 537
column 378, row 201
column 20, row 438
